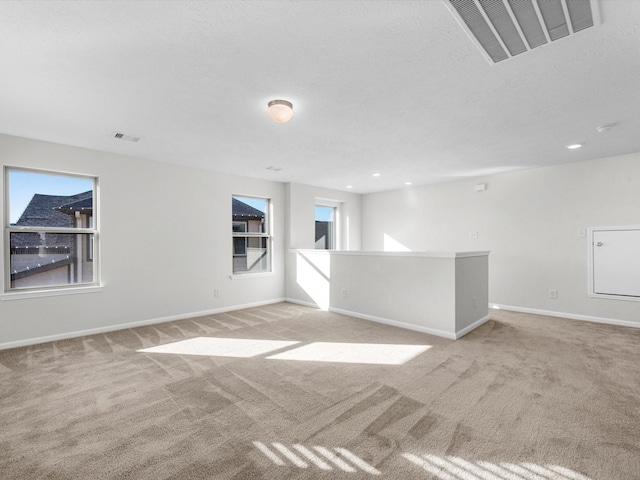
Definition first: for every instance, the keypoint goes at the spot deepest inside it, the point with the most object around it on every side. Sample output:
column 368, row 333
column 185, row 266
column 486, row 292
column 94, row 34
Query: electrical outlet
column 553, row 294
column 216, row 292
column 344, row 293
column 473, row 234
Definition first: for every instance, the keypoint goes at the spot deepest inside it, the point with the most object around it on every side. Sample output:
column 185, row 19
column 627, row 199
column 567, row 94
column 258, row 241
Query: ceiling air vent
column 125, row 137
column 502, row 29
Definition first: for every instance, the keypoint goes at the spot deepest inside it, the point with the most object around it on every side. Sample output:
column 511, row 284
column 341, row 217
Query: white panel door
column 616, row 262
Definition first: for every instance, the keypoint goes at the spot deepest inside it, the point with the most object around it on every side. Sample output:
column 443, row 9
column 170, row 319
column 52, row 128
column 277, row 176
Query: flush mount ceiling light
column 280, row 111
column 574, row 146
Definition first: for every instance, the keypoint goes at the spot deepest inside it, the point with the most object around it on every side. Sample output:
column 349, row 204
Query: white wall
column 529, row 220
column 301, row 202
column 441, row 295
column 165, row 243
column 300, row 217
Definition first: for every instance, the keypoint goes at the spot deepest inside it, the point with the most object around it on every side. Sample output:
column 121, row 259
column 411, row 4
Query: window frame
column 244, row 231
column 90, row 253
column 267, row 227
column 335, row 206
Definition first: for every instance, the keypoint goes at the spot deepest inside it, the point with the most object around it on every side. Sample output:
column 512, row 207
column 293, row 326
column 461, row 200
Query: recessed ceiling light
column 349, row 186
column 376, row 174
column 408, row 183
column 574, row 146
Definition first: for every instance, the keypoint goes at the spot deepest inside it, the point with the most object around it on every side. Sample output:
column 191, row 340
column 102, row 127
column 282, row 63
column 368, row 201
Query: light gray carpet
column 522, row 397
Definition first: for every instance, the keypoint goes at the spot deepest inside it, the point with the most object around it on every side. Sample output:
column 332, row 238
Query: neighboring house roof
column 45, row 210
column 34, row 268
column 322, row 229
column 84, row 205
column 242, row 211
column 51, row 211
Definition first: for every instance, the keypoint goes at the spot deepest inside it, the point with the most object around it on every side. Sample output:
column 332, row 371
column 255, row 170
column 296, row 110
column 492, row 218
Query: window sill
column 50, row 293
column 238, row 276
column 615, row 297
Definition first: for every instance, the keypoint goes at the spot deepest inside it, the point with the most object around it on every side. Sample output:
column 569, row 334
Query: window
column 50, row 230
column 325, row 227
column 251, row 237
column 239, row 243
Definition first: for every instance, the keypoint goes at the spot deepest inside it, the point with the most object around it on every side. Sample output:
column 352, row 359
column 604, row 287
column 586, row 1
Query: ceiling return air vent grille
column 502, row 29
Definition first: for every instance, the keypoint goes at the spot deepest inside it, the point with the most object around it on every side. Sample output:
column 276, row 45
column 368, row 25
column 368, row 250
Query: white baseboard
column 571, row 316
column 473, row 326
column 300, row 302
column 386, row 321
column 395, row 323
column 124, row 326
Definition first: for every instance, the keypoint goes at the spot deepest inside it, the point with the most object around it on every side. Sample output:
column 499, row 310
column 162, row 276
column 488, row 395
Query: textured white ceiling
column 378, row 86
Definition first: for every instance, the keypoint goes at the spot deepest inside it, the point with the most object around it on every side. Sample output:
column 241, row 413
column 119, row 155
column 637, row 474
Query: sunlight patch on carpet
column 456, row 468
column 221, row 347
column 322, row 458
column 366, row 353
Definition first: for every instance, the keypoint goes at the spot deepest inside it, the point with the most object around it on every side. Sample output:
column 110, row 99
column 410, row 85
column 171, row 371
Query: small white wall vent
column 502, row 29
column 125, row 137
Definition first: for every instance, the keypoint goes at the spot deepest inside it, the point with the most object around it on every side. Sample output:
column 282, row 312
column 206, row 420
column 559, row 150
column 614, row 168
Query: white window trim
column 8, row 293
column 246, row 235
column 53, row 292
column 337, row 206
column 238, row 276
